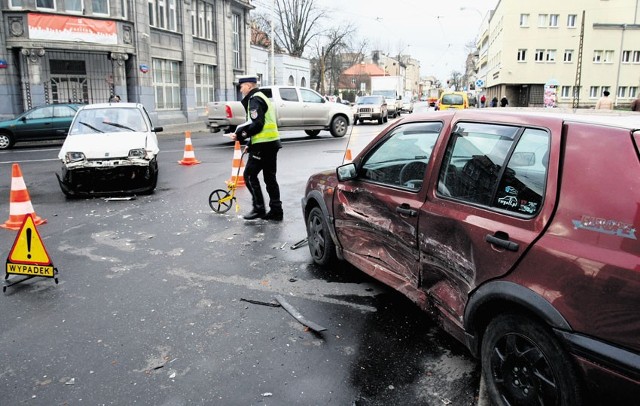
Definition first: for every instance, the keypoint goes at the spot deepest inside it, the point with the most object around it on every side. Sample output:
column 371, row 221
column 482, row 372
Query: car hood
column 118, row 144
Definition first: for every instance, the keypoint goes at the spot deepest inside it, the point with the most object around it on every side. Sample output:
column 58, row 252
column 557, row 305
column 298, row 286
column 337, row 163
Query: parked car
column 111, row 149
column 370, row 108
column 500, row 225
column 407, row 106
column 50, row 122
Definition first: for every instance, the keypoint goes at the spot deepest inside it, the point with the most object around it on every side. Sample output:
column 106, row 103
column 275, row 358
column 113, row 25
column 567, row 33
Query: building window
column 522, row 55
column 568, row 55
column 593, row 92
column 626, row 57
column 551, row 55
column 203, row 18
column 204, row 84
column 597, row 56
column 565, row 91
column 46, row 4
column 524, row 20
column 553, row 20
column 606, row 89
column 73, row 6
column 100, row 6
column 542, row 20
column 622, row 92
column 15, row 3
column 166, row 84
column 608, row 56
column 123, row 8
column 161, row 14
column 152, row 12
column 172, row 16
column 636, row 57
column 236, row 41
column 539, row 56
column 571, row 20
column 633, row 91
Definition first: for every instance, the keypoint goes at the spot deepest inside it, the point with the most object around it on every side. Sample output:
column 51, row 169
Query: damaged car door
column 376, row 213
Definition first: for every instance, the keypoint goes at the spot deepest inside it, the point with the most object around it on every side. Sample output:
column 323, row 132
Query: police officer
column 261, row 131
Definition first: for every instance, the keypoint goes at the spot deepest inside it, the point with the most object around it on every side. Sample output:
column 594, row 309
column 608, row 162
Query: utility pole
column 273, row 40
column 576, row 87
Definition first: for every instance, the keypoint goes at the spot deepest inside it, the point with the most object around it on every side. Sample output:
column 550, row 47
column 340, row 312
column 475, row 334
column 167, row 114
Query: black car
column 49, row 122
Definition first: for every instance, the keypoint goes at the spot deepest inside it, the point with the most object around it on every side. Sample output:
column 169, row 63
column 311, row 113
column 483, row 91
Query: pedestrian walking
column 504, row 102
column 494, row 102
column 263, row 142
column 604, row 103
column 483, row 101
column 114, row 99
column 635, row 105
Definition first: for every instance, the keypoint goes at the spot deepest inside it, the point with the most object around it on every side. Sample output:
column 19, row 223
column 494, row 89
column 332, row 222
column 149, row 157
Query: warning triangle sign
column 28, row 247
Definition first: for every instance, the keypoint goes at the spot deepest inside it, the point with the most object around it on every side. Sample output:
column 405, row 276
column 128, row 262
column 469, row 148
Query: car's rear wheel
column 6, row 141
column 380, row 119
column 321, row 246
column 312, row 133
column 339, row 126
column 523, row 364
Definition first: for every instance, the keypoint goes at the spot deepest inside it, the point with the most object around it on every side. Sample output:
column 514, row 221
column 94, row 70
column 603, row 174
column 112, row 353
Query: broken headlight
column 74, row 157
column 137, row 153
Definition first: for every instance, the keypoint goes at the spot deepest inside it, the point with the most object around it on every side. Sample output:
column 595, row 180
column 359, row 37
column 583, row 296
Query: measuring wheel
column 220, row 200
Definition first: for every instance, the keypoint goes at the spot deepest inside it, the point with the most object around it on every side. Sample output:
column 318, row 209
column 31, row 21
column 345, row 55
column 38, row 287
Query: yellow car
column 453, row 100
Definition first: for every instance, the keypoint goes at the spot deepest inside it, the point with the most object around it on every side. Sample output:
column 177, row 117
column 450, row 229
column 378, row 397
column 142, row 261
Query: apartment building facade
column 171, row 56
column 537, row 53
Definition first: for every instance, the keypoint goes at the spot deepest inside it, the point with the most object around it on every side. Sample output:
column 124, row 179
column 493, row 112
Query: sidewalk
column 194, row 127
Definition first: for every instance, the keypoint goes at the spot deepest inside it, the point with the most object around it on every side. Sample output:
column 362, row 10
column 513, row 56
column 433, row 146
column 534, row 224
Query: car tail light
column 228, row 111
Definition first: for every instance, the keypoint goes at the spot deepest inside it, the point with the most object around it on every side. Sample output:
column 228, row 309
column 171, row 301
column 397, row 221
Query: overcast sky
column 433, row 31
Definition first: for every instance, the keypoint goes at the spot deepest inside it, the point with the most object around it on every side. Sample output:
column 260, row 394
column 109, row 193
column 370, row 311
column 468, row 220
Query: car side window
column 474, row 168
column 288, row 94
column 44, row 112
column 63, row 111
column 401, row 159
column 522, row 186
column 310, row 97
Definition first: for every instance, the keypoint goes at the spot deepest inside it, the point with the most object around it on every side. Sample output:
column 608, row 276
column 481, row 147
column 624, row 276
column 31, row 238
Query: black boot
column 274, row 215
column 254, row 214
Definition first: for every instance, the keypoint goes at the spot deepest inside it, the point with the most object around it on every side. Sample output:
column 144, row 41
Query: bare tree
column 329, row 48
column 298, row 24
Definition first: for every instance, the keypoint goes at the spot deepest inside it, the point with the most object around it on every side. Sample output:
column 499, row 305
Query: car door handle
column 406, row 210
column 501, row 239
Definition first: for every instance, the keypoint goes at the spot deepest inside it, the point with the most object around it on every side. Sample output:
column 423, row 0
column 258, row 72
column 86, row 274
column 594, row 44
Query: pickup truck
column 297, row 108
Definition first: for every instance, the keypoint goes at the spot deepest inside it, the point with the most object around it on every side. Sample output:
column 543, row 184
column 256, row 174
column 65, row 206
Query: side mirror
column 23, row 119
column 157, row 129
column 346, row 172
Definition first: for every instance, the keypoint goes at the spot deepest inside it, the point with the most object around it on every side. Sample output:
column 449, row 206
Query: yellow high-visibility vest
column 270, row 129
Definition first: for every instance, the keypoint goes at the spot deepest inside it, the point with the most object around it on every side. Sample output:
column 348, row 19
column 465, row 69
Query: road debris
column 258, row 302
column 299, row 244
column 292, row 311
column 116, row 199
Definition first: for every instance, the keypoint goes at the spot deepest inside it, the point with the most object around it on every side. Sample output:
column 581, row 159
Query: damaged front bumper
column 108, row 177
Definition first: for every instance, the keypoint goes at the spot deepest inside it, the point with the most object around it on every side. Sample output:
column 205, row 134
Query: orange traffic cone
column 19, row 202
column 189, row 157
column 347, row 156
column 237, row 168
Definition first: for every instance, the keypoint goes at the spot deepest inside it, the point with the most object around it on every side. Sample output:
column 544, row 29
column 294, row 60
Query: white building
column 524, row 46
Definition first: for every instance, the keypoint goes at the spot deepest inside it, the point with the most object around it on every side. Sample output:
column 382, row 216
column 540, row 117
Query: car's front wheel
column 321, row 246
column 6, row 141
column 523, row 364
column 339, row 126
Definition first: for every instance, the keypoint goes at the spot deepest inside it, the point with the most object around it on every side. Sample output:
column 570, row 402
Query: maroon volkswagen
column 517, row 230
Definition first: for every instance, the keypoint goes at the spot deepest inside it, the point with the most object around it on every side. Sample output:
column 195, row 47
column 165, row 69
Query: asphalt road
column 150, row 307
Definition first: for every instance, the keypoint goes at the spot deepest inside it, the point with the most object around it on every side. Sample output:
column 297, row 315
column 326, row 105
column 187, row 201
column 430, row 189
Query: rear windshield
column 452, row 99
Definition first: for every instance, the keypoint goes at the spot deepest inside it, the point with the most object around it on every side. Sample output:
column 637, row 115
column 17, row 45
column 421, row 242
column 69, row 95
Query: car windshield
column 369, row 100
column 107, row 120
column 387, row 94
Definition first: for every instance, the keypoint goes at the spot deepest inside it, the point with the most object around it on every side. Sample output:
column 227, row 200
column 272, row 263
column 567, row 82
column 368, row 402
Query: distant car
column 371, row 108
column 491, row 223
column 407, row 106
column 50, row 122
column 110, row 149
column 453, row 100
